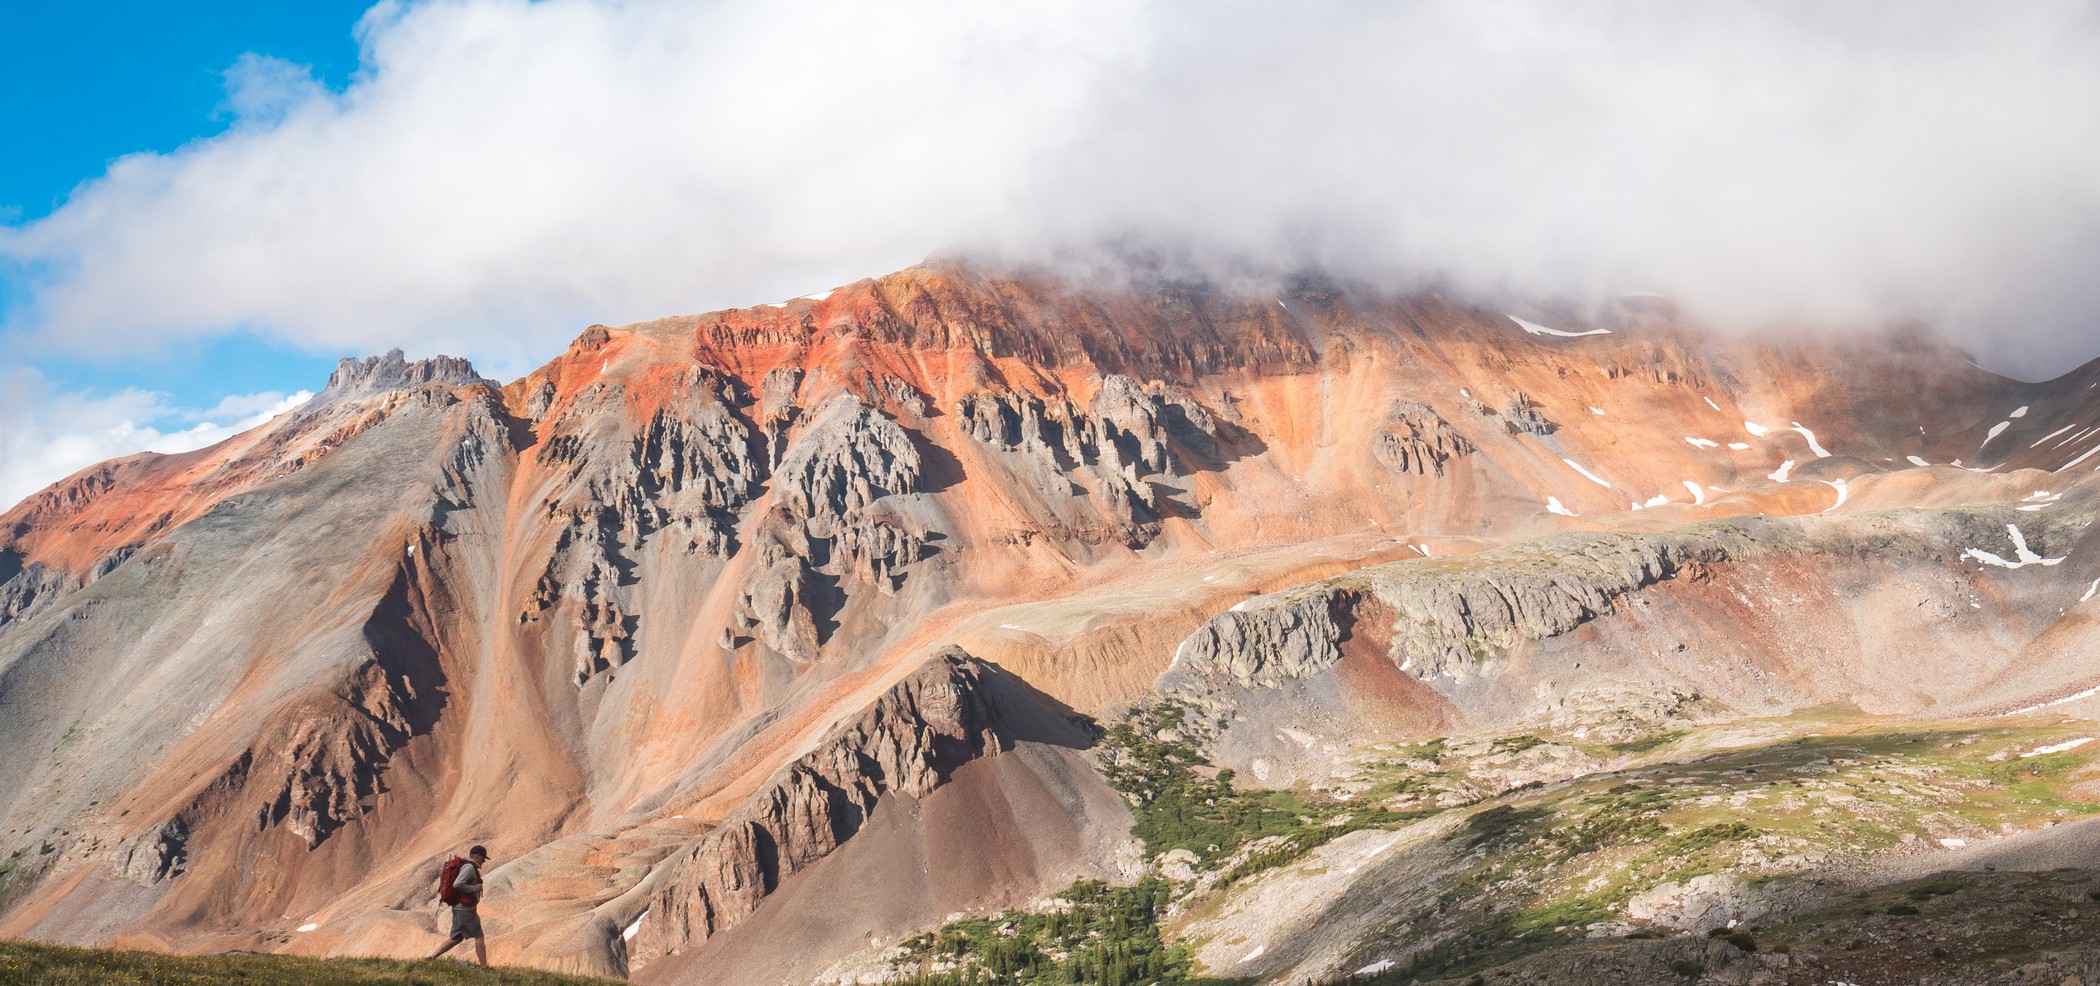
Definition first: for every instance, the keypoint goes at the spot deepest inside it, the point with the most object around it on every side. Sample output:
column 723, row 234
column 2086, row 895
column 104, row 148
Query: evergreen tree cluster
column 1103, row 935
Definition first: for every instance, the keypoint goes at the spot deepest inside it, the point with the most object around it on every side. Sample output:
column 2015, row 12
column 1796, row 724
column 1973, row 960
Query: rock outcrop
column 393, row 371
column 1263, row 642
column 1448, row 616
column 908, row 742
column 827, row 536
column 682, row 477
column 1523, row 416
column 848, row 456
column 1415, row 440
column 27, row 589
column 1114, row 450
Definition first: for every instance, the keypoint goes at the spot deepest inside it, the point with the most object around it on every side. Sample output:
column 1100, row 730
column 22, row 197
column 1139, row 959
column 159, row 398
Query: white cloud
column 47, row 434
column 502, row 173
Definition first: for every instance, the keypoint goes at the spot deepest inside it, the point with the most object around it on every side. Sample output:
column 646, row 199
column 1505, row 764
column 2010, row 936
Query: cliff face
column 655, row 620
column 1446, row 616
column 910, row 741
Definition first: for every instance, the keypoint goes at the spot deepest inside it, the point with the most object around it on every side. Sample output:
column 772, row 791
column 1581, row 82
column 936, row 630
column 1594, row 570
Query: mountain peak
column 394, row 371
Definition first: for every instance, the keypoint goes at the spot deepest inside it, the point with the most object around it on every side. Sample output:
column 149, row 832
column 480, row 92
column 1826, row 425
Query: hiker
column 459, row 884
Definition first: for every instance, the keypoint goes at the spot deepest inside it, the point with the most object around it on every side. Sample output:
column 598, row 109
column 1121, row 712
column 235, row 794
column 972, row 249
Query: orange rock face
column 670, row 620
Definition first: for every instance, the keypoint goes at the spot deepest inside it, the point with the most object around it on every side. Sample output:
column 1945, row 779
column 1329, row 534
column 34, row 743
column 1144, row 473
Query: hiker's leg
column 446, row 947
column 481, row 951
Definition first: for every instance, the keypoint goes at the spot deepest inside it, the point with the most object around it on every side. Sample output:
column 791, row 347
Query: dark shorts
column 466, row 923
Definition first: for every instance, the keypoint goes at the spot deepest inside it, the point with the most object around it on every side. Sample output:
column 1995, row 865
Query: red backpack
column 449, row 893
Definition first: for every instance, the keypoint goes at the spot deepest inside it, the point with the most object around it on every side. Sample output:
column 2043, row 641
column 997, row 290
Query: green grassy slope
column 31, row 964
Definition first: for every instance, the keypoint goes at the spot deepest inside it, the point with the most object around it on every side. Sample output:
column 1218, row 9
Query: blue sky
column 87, row 82
column 270, row 186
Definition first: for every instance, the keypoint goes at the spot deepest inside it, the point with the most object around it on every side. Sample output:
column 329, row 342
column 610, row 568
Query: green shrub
column 1105, row 935
column 1706, row 837
column 1935, row 888
column 1502, row 825
column 1738, row 937
column 1652, row 741
column 1515, row 744
column 1177, row 807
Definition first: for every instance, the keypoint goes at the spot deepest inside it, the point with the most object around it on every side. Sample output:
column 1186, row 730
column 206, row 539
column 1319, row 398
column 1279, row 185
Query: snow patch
column 1251, row 956
column 2020, row 413
column 1657, row 500
column 1954, row 843
column 1698, row 494
column 1422, row 548
column 636, row 928
column 1780, row 474
column 2088, row 693
column 1813, row 445
column 1756, row 429
column 1011, row 626
column 2057, row 747
column 307, row 927
column 1539, row 330
column 2088, row 454
column 2053, row 434
column 1739, row 446
column 819, row 296
column 1554, row 506
column 2089, row 591
column 1709, row 402
column 1375, row 968
column 1592, row 477
column 1843, row 492
column 2023, row 555
column 1598, row 411
column 1920, row 463
column 1702, row 442
column 1996, row 430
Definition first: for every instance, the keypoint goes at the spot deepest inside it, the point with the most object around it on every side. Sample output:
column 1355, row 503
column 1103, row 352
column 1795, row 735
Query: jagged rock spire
column 393, row 371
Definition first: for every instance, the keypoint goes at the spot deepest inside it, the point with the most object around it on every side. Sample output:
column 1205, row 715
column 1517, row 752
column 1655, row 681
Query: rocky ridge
column 1445, row 619
column 394, row 371
column 908, row 741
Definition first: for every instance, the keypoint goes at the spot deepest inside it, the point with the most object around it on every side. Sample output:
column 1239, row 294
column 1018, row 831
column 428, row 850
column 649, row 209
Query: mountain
column 782, row 644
